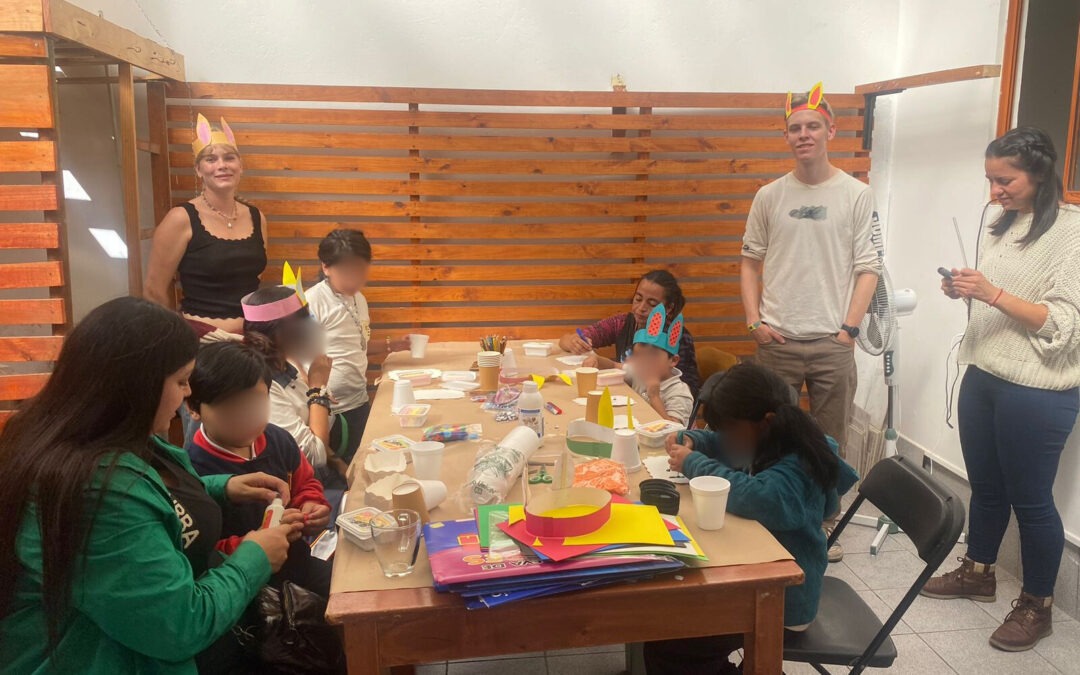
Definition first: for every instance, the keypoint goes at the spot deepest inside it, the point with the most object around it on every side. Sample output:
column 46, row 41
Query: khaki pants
column 827, row 367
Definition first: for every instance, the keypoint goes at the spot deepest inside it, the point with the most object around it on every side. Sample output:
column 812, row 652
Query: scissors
column 542, row 477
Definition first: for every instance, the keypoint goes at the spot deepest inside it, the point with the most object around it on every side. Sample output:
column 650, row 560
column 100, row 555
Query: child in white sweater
column 652, row 371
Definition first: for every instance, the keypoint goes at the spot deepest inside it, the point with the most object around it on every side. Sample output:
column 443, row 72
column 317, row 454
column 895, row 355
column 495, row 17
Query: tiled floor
column 935, row 637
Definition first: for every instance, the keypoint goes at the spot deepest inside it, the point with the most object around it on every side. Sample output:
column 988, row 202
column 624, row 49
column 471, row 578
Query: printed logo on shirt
column 809, row 212
column 188, row 533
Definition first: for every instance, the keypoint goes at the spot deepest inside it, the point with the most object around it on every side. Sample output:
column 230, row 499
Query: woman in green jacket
column 107, row 563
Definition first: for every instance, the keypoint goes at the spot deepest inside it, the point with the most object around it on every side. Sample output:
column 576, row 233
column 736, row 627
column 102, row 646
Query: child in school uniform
column 339, row 305
column 784, row 472
column 230, row 399
column 651, row 370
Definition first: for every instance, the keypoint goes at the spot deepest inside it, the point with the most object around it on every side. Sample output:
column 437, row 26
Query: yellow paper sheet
column 629, row 524
column 605, row 414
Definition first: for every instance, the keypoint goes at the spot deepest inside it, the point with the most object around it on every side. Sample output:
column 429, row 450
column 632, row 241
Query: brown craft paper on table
column 741, row 542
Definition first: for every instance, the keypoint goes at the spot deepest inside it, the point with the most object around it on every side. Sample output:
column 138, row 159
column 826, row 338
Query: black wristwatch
column 853, row 331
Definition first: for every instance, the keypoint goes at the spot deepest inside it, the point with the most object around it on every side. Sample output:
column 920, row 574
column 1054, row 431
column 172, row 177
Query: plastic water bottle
column 530, row 408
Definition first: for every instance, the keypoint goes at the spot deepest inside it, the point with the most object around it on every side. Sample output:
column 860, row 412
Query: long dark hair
column 1030, row 150
column 674, row 300
column 749, row 392
column 100, row 400
column 270, row 338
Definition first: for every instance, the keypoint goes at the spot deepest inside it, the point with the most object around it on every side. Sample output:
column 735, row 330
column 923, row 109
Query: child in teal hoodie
column 784, row 472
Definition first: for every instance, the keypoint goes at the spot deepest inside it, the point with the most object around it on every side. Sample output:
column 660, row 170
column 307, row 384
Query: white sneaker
column 836, row 551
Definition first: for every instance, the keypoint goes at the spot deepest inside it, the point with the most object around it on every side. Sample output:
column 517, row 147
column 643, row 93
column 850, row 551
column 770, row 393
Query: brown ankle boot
column 1028, row 622
column 971, row 580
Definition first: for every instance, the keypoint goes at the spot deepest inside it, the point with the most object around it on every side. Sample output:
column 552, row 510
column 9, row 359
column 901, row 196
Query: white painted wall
column 928, row 144
column 696, row 45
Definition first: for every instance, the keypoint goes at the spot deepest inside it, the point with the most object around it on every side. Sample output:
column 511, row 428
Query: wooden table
column 391, row 623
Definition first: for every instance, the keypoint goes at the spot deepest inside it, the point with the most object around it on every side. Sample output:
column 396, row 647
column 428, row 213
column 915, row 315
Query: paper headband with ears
column 653, row 333
column 205, row 135
column 815, row 100
column 279, row 309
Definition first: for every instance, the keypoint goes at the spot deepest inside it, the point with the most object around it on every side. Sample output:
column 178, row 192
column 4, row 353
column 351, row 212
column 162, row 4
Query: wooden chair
column 711, row 360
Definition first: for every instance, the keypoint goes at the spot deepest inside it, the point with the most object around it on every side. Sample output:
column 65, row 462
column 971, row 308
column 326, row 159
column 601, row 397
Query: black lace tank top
column 216, row 273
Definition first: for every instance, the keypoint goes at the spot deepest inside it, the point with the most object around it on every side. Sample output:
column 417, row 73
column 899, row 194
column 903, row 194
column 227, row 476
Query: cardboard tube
column 592, row 406
column 409, row 495
column 489, row 378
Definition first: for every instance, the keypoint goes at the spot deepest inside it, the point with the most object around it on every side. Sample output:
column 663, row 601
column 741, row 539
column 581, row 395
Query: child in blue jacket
column 784, row 472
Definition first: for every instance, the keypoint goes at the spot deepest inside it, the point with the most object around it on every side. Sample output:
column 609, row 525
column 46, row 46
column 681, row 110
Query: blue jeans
column 1012, row 437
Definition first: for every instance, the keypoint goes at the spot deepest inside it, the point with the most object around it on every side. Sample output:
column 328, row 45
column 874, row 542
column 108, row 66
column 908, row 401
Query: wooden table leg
column 362, row 648
column 763, row 651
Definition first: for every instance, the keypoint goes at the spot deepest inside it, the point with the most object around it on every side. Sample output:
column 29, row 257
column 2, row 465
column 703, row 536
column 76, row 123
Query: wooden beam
column 927, row 79
column 78, row 25
column 159, row 162
column 1010, row 65
column 21, row 16
column 25, row 46
column 129, row 177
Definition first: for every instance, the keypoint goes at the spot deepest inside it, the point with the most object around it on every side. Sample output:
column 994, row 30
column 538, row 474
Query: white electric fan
column 879, row 335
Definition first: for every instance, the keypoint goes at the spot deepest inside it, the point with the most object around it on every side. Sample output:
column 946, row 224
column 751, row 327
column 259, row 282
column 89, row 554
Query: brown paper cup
column 586, row 380
column 410, row 495
column 592, row 406
column 489, row 378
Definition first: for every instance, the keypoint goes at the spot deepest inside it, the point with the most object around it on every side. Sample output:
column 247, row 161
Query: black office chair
column 846, row 632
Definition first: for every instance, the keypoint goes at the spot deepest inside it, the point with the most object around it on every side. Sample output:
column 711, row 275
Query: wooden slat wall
column 31, row 235
column 524, row 213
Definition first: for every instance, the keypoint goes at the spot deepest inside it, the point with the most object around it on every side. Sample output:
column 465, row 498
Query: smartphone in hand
column 945, row 273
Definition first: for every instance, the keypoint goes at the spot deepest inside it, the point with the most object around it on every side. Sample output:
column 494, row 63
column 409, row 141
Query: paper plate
column 438, row 394
column 396, row 375
column 616, row 401
column 458, row 385
column 571, row 360
column 458, row 376
column 657, row 467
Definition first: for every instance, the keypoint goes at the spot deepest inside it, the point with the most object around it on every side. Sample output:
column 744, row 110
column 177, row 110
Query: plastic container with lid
column 396, row 443
column 537, row 348
column 652, row 434
column 413, row 415
column 356, row 526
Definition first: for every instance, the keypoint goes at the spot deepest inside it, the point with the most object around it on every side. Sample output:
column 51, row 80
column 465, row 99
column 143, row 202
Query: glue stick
column 273, row 513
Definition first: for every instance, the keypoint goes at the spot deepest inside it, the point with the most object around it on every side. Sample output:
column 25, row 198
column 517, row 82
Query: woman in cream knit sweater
column 1019, row 398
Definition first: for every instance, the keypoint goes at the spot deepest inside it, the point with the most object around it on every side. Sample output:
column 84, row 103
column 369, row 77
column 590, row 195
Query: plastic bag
column 294, row 636
column 605, row 474
column 445, row 433
column 498, row 466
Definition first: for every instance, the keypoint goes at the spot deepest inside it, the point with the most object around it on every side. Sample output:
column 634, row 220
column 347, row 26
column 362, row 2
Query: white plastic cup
column 403, row 395
column 509, row 361
column 427, row 457
column 710, row 495
column 434, row 492
column 418, row 345
column 625, row 449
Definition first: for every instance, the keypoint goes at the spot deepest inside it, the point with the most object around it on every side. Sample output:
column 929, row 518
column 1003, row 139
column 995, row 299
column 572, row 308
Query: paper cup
column 410, row 495
column 586, row 380
column 710, row 495
column 403, row 395
column 418, row 345
column 427, row 459
column 489, row 377
column 625, row 449
column 592, row 406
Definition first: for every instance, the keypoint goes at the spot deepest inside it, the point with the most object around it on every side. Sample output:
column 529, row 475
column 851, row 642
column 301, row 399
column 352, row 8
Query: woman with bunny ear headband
column 214, row 244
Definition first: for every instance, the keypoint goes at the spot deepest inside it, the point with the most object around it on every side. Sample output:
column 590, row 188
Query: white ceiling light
column 110, row 242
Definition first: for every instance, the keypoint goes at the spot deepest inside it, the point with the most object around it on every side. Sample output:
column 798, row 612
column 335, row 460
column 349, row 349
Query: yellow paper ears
column 294, row 281
column 206, row 136
column 814, row 100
